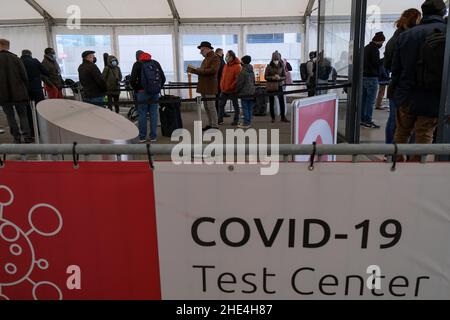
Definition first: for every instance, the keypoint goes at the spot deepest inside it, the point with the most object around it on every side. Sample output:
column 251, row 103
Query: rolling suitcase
column 170, row 115
column 260, row 106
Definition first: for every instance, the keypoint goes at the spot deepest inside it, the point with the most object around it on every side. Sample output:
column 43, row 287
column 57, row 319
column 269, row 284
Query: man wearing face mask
column 207, row 81
column 112, row 75
column 54, row 83
column 372, row 64
column 94, row 87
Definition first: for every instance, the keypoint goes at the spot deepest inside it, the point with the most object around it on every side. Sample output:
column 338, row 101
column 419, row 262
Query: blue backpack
column 151, row 78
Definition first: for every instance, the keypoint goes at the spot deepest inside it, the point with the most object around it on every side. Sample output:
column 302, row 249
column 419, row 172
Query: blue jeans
column 98, row 101
column 370, row 92
column 391, row 123
column 143, row 110
column 247, row 108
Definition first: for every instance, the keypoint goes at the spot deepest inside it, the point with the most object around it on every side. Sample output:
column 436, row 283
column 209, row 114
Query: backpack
column 430, row 63
column 304, row 71
column 324, row 70
column 151, row 78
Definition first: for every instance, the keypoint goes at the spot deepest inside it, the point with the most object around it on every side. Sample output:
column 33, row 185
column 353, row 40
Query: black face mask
column 95, row 60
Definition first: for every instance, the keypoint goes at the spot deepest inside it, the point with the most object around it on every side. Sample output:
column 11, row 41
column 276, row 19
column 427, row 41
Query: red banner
column 87, row 233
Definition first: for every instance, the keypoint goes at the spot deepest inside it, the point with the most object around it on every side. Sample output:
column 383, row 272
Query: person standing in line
column 275, row 76
column 409, row 19
column 207, row 81
column 219, row 52
column 245, row 86
column 417, row 71
column 112, row 76
column 147, row 79
column 54, row 83
column 228, row 87
column 14, row 93
column 94, row 87
column 372, row 63
column 35, row 72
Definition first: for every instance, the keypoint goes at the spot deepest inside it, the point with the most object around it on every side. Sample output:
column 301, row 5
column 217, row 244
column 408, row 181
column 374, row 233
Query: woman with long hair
column 409, row 19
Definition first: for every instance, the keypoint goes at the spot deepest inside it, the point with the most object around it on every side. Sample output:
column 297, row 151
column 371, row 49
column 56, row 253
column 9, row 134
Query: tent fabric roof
column 187, row 9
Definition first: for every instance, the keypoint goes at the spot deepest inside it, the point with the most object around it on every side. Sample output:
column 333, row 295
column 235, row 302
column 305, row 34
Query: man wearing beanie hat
column 372, row 66
column 419, row 103
column 245, row 87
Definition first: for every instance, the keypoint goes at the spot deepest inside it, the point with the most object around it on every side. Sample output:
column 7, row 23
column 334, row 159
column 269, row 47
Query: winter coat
column 404, row 69
column 112, row 75
column 207, row 75
column 219, row 74
column 229, row 76
column 372, row 61
column 272, row 70
column 390, row 49
column 135, row 81
column 91, row 79
column 54, row 78
column 14, row 79
column 35, row 70
column 245, row 84
column 288, row 72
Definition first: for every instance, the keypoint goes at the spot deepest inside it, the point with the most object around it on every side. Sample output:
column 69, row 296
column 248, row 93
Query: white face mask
column 228, row 59
column 114, row 63
column 276, row 62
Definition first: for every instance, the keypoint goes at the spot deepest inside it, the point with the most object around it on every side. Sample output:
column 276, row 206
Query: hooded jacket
column 136, row 82
column 229, row 76
column 91, row 79
column 14, row 79
column 245, row 85
column 112, row 75
column 404, row 69
column 372, row 61
column 272, row 70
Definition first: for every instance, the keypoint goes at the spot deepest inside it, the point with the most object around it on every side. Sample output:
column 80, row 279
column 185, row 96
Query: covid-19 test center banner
column 342, row 231
column 123, row 231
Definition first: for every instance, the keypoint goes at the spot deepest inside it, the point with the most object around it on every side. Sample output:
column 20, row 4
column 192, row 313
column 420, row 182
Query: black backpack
column 304, row 71
column 430, row 62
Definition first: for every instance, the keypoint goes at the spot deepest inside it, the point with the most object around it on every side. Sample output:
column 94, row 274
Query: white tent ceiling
column 154, row 9
column 187, row 9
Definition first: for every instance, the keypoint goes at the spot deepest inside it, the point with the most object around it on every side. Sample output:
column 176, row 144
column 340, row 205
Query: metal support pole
column 306, row 38
column 241, row 41
column 444, row 112
column 356, row 68
column 177, row 52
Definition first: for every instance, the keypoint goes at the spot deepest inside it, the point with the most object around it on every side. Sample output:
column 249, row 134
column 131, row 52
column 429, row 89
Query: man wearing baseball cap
column 207, row 81
column 94, row 87
column 419, row 101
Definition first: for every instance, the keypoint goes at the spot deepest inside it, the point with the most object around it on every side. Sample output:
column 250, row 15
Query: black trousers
column 114, row 98
column 282, row 106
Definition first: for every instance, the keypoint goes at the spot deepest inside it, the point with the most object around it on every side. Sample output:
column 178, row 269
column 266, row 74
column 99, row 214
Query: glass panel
column 70, row 47
column 159, row 46
column 191, row 54
column 261, row 46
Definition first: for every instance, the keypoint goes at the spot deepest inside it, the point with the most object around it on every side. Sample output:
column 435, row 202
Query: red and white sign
column 87, row 233
column 315, row 120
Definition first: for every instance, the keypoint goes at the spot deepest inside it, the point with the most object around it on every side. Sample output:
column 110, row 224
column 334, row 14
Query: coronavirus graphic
column 18, row 256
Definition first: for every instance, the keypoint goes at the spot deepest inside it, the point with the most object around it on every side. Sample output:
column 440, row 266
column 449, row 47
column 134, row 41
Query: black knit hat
column 434, row 7
column 246, row 59
column 379, row 37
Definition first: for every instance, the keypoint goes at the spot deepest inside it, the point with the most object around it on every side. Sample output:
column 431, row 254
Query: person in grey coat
column 14, row 92
column 245, row 87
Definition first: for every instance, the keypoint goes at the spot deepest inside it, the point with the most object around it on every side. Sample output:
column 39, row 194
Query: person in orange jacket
column 228, row 86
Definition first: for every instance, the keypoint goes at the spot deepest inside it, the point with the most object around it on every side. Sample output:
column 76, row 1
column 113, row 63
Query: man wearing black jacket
column 372, row 64
column 35, row 70
column 13, row 92
column 94, row 87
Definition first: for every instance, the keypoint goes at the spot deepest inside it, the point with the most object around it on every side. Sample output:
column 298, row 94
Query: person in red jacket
column 228, row 86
